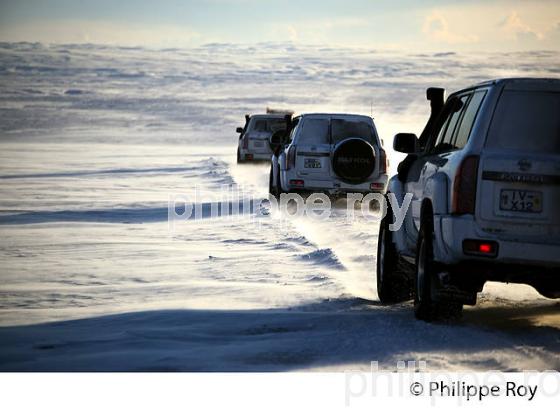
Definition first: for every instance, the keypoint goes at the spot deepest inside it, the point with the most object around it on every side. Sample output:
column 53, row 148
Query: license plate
column 312, row 163
column 519, row 200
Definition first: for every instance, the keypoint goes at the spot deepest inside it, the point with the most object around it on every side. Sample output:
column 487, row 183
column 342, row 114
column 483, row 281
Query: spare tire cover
column 353, row 160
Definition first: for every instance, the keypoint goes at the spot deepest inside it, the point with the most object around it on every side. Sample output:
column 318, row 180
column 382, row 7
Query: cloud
column 292, row 33
column 517, row 28
column 436, row 27
column 316, row 30
column 86, row 31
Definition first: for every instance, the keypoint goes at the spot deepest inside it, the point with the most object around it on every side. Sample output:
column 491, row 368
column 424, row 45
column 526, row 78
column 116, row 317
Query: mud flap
column 445, row 290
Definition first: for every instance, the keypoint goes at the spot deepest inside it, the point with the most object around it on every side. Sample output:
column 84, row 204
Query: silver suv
column 484, row 183
column 254, row 137
column 331, row 153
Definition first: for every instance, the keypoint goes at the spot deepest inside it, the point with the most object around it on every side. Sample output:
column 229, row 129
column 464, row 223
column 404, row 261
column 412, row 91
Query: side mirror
column 406, row 143
column 239, row 130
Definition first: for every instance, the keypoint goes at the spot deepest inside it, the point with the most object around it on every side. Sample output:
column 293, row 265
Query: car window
column 439, row 132
column 445, row 138
column 269, row 125
column 342, row 129
column 464, row 129
column 314, row 131
column 526, row 121
column 276, row 124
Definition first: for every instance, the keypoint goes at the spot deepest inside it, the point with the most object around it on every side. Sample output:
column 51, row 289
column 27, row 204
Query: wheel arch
column 434, row 206
column 429, row 216
column 436, row 190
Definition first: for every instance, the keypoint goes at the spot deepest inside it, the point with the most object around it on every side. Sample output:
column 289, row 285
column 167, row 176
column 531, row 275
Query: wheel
column 426, row 305
column 239, row 160
column 393, row 278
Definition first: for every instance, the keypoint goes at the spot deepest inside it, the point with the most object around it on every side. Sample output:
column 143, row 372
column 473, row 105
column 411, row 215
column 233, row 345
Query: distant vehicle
column 331, row 153
column 254, row 137
column 485, row 180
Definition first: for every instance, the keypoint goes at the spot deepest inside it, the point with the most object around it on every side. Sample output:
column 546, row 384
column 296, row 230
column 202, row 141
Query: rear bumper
column 334, row 186
column 450, row 231
column 507, row 272
column 248, row 155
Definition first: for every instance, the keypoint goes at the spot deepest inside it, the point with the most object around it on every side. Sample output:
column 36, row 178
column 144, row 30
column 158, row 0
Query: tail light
column 480, row 248
column 291, row 157
column 245, row 142
column 382, row 161
column 464, row 187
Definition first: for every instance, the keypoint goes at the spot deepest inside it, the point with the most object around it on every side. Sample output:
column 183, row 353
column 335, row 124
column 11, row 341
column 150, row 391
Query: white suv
column 254, row 144
column 331, row 153
column 484, row 176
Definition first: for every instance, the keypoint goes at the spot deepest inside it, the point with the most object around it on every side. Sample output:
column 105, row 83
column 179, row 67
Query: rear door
column 345, row 127
column 313, row 148
column 519, row 182
column 260, row 131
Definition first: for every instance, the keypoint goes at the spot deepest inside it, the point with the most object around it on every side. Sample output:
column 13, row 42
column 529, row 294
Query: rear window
column 315, row 131
column 343, row 129
column 269, row 125
column 527, row 121
column 325, row 131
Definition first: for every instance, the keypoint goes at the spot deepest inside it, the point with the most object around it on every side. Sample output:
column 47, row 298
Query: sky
column 492, row 25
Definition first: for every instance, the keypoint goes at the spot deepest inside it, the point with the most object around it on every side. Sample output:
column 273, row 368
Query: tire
column 394, row 282
column 353, row 160
column 272, row 190
column 425, row 306
column 239, row 160
column 279, row 189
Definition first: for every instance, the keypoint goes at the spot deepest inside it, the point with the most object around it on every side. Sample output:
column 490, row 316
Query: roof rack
column 279, row 111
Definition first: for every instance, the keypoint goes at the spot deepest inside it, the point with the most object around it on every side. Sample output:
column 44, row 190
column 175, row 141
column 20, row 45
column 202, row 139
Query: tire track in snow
column 351, row 243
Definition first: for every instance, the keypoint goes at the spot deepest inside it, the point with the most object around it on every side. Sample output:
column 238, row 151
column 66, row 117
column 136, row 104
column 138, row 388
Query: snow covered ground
column 94, row 140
